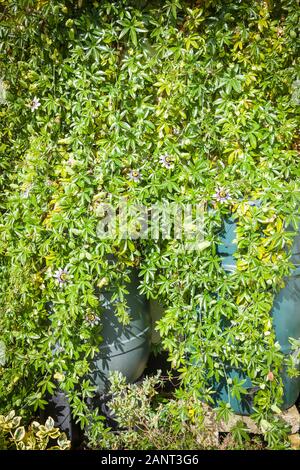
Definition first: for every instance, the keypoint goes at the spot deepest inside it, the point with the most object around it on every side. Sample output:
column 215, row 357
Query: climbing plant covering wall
column 178, row 102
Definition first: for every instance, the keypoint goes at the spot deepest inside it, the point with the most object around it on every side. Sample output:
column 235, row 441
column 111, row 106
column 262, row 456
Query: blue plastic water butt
column 286, row 322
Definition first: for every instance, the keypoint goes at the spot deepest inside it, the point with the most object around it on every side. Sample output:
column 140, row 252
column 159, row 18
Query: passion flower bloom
column 166, row 161
column 71, row 161
column 59, row 376
column 61, row 276
column 222, row 195
column 58, row 349
column 26, row 192
column 35, row 104
column 92, row 319
column 134, row 175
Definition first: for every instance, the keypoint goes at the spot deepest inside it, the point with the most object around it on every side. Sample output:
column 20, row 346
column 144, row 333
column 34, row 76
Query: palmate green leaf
column 133, row 36
column 124, row 32
column 240, row 432
column 203, row 245
column 253, row 141
column 236, row 85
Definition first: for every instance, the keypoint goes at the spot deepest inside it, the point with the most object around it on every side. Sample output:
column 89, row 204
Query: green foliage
column 36, row 437
column 240, row 432
column 146, row 421
column 96, row 90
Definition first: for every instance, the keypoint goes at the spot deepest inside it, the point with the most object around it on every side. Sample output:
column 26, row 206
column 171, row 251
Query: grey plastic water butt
column 124, row 348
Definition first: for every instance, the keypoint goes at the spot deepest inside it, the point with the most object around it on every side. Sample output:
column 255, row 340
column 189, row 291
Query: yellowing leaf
column 261, row 251
column 241, row 265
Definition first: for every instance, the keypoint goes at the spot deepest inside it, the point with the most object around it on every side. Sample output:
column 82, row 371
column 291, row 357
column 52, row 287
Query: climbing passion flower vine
column 173, row 102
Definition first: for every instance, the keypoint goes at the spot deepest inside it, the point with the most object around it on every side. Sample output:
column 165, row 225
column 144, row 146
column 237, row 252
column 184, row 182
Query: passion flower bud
column 69, row 23
column 270, row 376
column 103, row 282
column 59, row 377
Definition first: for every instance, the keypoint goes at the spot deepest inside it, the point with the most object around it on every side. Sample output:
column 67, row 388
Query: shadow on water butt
column 59, row 409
